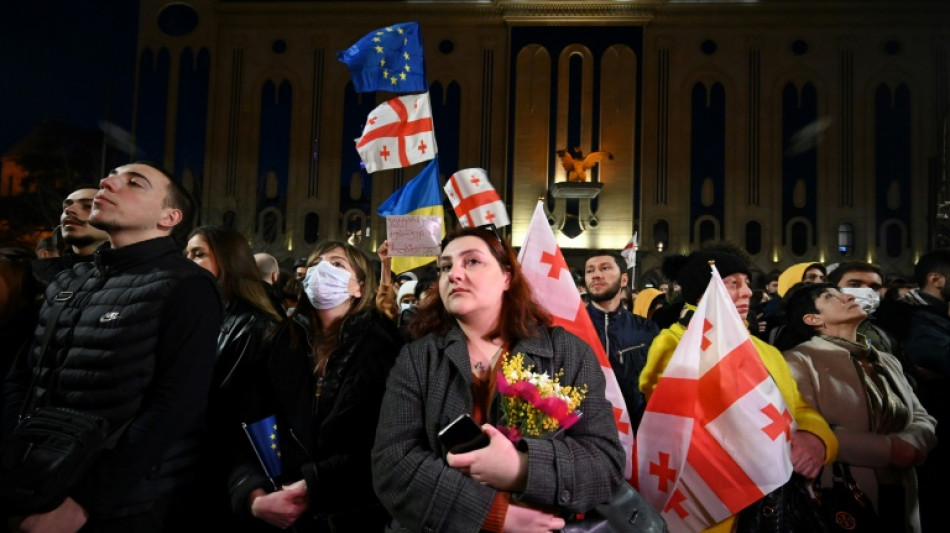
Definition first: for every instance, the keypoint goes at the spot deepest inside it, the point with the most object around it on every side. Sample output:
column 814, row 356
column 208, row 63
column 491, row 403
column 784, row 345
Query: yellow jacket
column 805, row 415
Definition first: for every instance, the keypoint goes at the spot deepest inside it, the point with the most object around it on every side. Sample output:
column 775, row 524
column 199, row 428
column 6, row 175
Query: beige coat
column 829, row 381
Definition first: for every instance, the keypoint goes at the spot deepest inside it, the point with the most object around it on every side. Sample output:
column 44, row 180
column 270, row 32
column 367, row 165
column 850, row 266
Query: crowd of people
column 181, row 337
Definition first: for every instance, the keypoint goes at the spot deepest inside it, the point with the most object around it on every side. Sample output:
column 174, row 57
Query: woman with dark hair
column 883, row 430
column 248, row 312
column 248, row 317
column 483, row 311
column 813, row 443
column 322, row 373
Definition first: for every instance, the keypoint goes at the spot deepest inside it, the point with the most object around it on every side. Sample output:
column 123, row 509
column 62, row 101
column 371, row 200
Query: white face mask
column 326, row 286
column 405, row 306
column 866, row 297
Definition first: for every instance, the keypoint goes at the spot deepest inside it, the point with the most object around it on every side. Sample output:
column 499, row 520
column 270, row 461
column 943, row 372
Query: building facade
column 801, row 130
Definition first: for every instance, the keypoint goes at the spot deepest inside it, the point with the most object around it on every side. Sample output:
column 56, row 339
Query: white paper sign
column 414, row 235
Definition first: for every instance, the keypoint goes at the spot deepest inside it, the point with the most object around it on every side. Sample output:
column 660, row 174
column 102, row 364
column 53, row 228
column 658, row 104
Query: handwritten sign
column 414, row 235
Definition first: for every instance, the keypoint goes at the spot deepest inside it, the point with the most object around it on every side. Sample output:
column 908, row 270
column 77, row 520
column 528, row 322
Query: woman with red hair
column 485, row 310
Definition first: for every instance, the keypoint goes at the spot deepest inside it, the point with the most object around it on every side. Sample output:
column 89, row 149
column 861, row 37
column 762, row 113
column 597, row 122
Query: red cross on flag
column 398, row 134
column 716, row 433
column 543, row 265
column 474, row 199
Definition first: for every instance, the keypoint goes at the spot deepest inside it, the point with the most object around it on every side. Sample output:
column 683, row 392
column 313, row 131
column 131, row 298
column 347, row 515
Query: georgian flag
column 629, row 252
column 398, row 133
column 475, row 200
column 543, row 265
column 716, row 434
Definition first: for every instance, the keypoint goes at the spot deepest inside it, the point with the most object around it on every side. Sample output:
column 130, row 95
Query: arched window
column 893, row 236
column 311, row 228
column 846, row 239
column 661, row 235
column 753, row 237
column 799, row 238
column 269, row 226
column 707, row 231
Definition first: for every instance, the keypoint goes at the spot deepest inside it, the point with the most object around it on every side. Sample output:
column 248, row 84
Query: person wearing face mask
column 323, row 374
column 813, row 444
column 883, row 430
column 865, row 282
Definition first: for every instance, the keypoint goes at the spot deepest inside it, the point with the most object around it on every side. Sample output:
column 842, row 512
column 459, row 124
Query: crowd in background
column 334, row 342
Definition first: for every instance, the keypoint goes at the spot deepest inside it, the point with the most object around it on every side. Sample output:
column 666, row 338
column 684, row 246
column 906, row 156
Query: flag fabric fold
column 387, row 59
column 475, row 201
column 543, row 265
column 398, row 133
column 629, row 252
column 419, row 196
column 716, row 433
column 266, row 444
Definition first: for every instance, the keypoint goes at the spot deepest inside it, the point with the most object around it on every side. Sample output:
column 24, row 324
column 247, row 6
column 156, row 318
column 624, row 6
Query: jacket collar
column 454, row 346
column 934, row 302
column 140, row 253
column 596, row 311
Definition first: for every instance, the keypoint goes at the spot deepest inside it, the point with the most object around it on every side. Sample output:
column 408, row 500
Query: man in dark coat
column 925, row 323
column 135, row 344
column 626, row 337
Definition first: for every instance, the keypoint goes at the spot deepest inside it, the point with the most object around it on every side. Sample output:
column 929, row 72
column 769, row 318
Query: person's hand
column 383, row 252
column 808, row 454
column 69, row 517
column 525, row 519
column 903, row 454
column 282, row 508
column 386, row 271
column 498, row 465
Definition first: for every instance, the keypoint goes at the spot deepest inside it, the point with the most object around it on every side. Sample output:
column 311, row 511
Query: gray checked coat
column 431, row 384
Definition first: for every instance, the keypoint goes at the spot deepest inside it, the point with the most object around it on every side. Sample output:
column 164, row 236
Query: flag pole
column 633, row 274
column 258, row 454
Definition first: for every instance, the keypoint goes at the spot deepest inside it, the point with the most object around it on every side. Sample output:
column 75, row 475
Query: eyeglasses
column 492, row 228
column 484, row 227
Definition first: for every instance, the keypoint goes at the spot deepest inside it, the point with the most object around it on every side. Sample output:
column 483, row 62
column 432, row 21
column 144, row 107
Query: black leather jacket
column 324, row 439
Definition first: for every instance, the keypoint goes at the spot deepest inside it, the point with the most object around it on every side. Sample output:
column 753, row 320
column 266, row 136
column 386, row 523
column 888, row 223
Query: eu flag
column 422, row 195
column 387, row 59
column 263, row 436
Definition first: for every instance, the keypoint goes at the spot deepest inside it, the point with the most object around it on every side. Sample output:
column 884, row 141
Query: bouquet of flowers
column 533, row 404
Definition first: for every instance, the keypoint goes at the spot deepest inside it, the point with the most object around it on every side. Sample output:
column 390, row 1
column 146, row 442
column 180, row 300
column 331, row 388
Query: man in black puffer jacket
column 136, row 344
column 626, row 337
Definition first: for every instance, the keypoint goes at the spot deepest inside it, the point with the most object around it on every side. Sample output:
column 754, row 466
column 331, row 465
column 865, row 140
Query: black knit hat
column 693, row 273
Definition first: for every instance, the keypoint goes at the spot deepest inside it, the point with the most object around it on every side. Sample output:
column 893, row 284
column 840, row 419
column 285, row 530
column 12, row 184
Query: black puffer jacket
column 324, row 439
column 137, row 343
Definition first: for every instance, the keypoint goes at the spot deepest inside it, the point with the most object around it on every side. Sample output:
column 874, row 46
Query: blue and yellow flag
column 387, row 59
column 422, row 195
column 264, row 439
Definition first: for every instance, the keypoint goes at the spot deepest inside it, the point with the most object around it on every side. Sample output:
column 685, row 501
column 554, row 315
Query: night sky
column 65, row 61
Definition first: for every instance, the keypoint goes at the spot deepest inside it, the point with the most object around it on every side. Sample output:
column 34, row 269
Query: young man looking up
column 135, row 344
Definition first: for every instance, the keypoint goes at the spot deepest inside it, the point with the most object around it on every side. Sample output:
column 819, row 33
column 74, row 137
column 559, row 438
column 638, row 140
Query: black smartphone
column 463, row 435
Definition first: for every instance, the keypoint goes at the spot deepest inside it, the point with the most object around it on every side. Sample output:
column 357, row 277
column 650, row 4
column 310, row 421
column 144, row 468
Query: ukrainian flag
column 422, row 195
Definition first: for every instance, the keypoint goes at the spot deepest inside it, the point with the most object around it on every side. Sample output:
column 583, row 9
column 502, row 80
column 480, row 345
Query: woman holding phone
column 484, row 311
